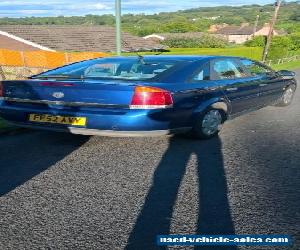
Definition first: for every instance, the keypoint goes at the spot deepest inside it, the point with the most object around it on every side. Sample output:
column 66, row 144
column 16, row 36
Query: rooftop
column 237, row 30
column 76, row 37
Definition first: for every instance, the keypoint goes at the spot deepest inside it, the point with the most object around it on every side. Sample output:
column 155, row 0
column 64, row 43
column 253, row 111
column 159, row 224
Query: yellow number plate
column 75, row 121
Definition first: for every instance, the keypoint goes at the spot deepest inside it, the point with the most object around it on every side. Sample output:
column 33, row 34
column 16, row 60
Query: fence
column 283, row 60
column 21, row 64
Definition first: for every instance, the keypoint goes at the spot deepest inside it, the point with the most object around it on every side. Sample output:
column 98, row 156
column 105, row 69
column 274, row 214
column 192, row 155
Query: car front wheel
column 208, row 124
column 287, row 96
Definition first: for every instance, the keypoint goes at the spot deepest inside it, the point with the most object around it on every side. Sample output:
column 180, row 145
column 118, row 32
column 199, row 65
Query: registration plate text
column 66, row 120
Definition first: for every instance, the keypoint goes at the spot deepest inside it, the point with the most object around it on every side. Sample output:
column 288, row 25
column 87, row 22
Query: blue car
column 145, row 96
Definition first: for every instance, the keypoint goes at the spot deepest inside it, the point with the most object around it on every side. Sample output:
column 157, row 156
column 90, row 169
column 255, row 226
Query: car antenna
column 141, row 57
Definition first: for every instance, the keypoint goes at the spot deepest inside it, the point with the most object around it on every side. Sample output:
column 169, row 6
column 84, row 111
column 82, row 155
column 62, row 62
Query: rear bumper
column 103, row 122
column 110, row 133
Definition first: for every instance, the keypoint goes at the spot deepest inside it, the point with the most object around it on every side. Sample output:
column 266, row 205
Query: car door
column 271, row 84
column 201, row 88
column 241, row 89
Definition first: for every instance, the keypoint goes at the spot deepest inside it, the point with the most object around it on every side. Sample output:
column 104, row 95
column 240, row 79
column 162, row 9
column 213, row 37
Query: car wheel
column 287, row 96
column 208, row 124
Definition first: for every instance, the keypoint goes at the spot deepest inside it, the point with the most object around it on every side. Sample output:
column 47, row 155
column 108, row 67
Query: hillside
column 198, row 19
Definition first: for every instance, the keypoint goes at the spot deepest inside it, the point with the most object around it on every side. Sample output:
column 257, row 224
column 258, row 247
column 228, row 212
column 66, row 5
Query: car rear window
column 110, row 68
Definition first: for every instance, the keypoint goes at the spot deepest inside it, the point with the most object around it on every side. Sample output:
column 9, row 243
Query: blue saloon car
column 145, row 96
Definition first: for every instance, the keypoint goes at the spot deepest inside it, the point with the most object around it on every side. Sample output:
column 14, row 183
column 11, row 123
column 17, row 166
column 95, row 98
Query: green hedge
column 205, row 41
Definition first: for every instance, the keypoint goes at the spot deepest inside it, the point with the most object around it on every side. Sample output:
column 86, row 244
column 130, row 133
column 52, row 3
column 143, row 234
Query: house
column 68, row 38
column 245, row 32
column 215, row 27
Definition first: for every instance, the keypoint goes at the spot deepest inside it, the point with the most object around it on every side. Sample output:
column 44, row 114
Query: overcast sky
column 21, row 8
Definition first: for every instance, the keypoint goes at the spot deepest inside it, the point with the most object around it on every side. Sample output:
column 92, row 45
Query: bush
column 277, row 53
column 295, row 38
column 282, row 41
column 280, row 47
column 258, row 41
column 206, row 41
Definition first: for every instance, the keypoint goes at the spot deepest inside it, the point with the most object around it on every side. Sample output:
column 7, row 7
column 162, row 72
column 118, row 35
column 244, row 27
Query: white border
column 25, row 41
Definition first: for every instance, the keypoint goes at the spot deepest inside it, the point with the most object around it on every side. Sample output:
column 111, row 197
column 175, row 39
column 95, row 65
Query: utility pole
column 255, row 25
column 118, row 28
column 270, row 35
column 256, row 22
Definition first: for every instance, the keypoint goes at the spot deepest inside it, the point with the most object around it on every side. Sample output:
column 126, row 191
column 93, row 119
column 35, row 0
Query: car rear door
column 271, row 84
column 241, row 89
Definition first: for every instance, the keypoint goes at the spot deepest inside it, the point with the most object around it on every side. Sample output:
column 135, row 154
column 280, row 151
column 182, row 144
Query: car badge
column 58, row 95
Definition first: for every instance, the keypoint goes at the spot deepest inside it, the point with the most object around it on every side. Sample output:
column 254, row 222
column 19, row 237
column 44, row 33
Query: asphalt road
column 60, row 191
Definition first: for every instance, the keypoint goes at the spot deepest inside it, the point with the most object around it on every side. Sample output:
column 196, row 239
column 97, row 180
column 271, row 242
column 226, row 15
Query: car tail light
column 1, row 90
column 151, row 98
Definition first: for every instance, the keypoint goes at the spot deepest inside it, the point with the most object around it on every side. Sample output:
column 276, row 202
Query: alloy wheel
column 288, row 95
column 212, row 122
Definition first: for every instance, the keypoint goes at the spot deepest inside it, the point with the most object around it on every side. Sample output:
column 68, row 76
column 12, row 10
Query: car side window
column 227, row 69
column 255, row 68
column 203, row 73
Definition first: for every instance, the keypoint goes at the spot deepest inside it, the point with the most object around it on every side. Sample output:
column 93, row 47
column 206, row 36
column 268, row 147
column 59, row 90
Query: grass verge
column 249, row 52
column 288, row 65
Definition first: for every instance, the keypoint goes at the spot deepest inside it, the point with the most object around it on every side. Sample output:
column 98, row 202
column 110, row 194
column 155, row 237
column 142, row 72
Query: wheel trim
column 288, row 95
column 212, row 122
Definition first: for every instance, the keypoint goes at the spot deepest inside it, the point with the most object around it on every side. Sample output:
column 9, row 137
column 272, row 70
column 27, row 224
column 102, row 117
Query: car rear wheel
column 287, row 96
column 208, row 124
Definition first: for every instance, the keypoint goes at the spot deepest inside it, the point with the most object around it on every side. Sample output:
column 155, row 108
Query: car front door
column 241, row 89
column 271, row 84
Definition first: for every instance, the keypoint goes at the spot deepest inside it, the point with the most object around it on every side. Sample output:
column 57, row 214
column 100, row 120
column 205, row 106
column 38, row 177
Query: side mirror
column 286, row 73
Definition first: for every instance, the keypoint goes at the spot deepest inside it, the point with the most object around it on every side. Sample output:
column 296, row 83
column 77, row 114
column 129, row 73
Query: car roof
column 175, row 57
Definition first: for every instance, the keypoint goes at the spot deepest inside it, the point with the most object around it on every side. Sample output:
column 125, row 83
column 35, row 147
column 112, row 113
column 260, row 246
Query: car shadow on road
column 27, row 155
column 214, row 215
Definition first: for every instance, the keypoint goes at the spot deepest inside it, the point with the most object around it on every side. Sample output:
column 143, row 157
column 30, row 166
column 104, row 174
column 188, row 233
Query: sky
column 23, row 8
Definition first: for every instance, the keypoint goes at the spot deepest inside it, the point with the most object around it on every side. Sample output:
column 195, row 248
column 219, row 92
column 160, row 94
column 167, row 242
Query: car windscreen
column 112, row 68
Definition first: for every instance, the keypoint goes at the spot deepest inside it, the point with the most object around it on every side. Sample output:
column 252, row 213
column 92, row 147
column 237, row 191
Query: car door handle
column 262, row 84
column 232, row 89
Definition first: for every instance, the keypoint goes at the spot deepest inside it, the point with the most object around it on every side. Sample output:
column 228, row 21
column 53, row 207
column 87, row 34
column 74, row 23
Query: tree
column 179, row 25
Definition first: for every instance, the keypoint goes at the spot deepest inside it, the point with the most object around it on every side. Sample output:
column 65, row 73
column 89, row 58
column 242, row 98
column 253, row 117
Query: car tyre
column 287, row 97
column 208, row 124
